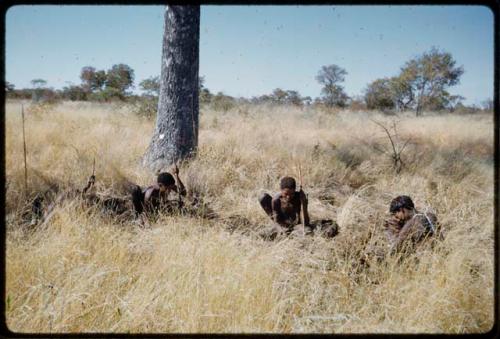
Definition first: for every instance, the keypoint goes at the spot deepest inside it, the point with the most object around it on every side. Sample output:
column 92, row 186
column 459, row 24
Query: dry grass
column 83, row 272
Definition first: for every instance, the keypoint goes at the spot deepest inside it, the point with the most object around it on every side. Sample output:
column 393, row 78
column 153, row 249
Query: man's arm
column 90, row 184
column 303, row 200
column 137, row 199
column 180, row 186
column 391, row 226
column 148, row 193
column 411, row 228
column 277, row 215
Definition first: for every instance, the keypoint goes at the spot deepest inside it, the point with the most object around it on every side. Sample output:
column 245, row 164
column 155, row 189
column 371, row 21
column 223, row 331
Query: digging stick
column 24, row 151
column 302, row 209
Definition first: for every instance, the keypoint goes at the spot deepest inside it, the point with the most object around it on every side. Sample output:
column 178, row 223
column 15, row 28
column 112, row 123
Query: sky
column 251, row 50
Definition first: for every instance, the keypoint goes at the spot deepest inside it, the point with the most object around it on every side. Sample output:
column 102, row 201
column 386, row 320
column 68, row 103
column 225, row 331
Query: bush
column 357, row 105
column 74, row 93
column 145, row 106
column 462, row 109
column 107, row 95
column 45, row 95
column 221, row 102
column 378, row 95
column 20, row 94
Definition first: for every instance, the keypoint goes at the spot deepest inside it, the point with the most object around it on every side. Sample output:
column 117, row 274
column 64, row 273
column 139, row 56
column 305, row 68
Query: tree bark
column 176, row 133
column 420, row 99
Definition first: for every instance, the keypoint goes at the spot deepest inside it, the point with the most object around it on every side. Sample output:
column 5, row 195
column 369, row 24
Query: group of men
column 404, row 225
column 287, row 210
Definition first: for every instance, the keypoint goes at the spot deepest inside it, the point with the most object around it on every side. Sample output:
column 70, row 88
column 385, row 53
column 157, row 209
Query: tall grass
column 85, row 272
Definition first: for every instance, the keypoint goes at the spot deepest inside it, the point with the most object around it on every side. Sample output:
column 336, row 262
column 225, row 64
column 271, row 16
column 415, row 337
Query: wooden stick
column 176, row 169
column 24, row 151
column 300, row 190
column 193, row 122
column 300, row 176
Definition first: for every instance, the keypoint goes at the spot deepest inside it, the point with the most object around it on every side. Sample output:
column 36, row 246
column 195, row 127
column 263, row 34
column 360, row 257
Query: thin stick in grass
column 300, row 190
column 24, row 151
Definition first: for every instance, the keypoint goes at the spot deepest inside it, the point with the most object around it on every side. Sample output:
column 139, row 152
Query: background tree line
column 96, row 85
column 421, row 85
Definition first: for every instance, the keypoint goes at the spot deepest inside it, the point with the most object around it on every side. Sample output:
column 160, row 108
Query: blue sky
column 250, row 50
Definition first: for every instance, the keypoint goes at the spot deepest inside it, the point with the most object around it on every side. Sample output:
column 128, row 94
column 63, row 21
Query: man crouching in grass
column 408, row 226
column 285, row 209
column 152, row 199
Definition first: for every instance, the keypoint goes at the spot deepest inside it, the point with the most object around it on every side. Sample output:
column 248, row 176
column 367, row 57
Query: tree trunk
column 420, row 99
column 176, row 133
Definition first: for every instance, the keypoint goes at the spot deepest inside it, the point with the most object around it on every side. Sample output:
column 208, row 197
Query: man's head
column 402, row 207
column 287, row 186
column 165, row 181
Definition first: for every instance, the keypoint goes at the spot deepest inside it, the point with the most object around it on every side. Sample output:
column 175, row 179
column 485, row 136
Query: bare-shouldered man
column 406, row 223
column 285, row 208
column 155, row 197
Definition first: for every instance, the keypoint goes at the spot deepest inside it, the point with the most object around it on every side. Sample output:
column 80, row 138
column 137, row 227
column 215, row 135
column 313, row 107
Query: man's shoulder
column 424, row 218
column 150, row 190
column 432, row 216
column 417, row 221
column 427, row 214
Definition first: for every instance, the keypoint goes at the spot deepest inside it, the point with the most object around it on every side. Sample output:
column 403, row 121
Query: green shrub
column 145, row 106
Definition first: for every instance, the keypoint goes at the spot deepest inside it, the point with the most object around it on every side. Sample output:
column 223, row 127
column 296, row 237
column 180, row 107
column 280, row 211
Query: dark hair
column 402, row 201
column 287, row 182
column 166, row 179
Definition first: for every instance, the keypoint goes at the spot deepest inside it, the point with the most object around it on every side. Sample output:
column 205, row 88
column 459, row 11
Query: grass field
column 84, row 272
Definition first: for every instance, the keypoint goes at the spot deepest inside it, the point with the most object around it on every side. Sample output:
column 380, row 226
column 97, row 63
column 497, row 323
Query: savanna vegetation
column 82, row 271
column 422, row 84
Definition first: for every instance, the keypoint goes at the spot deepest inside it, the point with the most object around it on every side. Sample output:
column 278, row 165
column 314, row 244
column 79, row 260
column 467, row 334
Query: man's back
column 419, row 226
column 151, row 200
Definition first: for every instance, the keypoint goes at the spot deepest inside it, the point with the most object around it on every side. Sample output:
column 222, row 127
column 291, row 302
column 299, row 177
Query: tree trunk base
column 176, row 134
